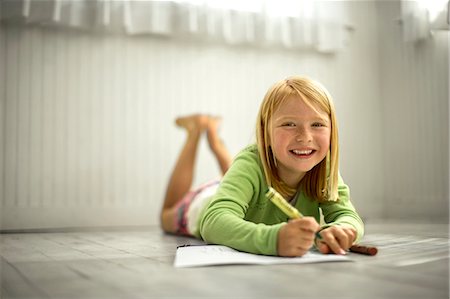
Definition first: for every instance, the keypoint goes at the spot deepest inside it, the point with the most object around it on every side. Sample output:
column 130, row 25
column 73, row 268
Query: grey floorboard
column 413, row 262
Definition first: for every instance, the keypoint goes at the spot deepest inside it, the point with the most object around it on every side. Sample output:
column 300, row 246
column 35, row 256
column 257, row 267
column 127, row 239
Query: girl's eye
column 289, row 124
column 318, row 125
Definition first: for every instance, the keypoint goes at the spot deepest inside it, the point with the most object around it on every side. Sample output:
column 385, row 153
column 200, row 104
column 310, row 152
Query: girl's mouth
column 302, row 153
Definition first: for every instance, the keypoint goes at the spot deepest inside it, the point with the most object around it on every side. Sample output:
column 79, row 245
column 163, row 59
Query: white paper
column 207, row 255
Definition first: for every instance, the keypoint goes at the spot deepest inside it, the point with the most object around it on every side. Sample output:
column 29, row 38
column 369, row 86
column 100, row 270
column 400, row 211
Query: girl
column 296, row 153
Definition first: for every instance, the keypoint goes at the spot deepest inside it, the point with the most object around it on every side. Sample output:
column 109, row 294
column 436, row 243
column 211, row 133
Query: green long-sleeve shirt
column 240, row 216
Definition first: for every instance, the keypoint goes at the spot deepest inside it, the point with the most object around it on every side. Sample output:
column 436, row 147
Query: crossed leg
column 216, row 144
column 182, row 176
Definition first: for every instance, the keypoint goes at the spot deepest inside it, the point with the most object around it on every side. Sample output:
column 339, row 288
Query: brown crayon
column 368, row 250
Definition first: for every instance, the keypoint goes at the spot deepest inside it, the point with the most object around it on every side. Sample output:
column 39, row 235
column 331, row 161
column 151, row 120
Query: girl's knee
column 167, row 220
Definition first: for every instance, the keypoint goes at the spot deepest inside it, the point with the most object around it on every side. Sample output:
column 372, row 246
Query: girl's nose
column 303, row 135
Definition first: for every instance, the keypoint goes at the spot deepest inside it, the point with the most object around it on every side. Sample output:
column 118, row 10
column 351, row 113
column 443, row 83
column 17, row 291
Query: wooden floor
column 413, row 262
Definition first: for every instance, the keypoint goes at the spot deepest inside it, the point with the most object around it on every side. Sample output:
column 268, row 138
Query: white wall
column 89, row 133
column 415, row 95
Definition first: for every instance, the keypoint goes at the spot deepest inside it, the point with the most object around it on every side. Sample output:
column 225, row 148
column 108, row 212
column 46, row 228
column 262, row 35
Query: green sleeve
column 224, row 221
column 342, row 212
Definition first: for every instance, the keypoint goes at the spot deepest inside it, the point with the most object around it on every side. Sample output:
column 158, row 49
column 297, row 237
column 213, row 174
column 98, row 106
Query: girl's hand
column 336, row 239
column 297, row 236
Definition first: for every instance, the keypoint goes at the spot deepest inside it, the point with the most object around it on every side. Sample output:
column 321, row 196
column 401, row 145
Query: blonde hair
column 321, row 182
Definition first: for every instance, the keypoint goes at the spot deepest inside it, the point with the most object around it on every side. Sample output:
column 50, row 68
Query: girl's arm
column 224, row 222
column 343, row 224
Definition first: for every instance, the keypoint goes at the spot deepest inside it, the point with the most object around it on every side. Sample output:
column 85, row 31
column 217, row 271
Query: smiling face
column 300, row 138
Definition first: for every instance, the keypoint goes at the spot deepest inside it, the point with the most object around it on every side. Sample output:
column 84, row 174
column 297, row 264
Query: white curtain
column 421, row 17
column 295, row 24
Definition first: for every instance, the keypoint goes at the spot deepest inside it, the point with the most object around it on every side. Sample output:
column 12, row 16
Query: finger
column 352, row 233
column 323, row 247
column 351, row 236
column 298, row 236
column 306, row 243
column 307, row 235
column 308, row 224
column 304, row 246
column 298, row 249
column 332, row 243
column 301, row 251
column 336, row 247
column 342, row 238
column 305, row 240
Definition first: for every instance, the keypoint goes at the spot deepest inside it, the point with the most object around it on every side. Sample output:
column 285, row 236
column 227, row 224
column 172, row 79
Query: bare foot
column 195, row 123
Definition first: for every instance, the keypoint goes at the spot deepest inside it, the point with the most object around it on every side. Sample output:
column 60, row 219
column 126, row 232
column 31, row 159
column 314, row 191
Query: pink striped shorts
column 182, row 208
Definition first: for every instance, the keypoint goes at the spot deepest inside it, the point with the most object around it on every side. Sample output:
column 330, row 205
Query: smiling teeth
column 298, row 152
